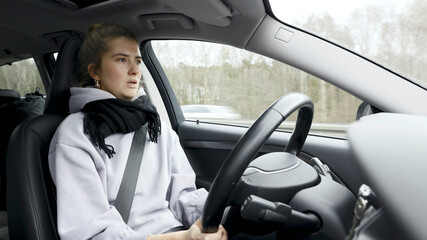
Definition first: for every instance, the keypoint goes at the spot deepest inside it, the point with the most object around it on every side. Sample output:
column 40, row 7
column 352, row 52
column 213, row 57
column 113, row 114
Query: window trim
column 163, row 85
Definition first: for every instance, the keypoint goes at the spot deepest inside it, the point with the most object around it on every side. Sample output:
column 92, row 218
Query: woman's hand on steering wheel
column 195, row 233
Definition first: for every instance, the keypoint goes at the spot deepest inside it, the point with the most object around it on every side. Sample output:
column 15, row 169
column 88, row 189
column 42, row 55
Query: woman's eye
column 138, row 62
column 121, row 59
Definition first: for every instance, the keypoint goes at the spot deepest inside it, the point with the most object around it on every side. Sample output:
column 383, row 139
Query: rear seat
column 7, row 96
column 13, row 111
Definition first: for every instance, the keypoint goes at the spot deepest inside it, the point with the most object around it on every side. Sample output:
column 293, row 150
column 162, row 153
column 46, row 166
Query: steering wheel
column 247, row 148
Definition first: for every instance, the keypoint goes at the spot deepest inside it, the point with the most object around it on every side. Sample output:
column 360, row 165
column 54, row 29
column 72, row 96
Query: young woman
column 89, row 151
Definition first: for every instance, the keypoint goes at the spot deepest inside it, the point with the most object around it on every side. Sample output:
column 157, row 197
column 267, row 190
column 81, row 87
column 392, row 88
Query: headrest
column 65, row 72
column 8, row 95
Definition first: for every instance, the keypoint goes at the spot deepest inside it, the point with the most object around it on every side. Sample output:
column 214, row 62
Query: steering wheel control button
column 320, row 167
column 277, row 215
column 261, row 210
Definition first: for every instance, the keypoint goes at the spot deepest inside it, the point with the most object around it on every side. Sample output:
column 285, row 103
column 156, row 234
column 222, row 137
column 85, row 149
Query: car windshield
column 392, row 33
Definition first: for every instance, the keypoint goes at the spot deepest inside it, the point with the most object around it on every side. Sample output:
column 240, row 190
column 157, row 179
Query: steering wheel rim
column 247, row 148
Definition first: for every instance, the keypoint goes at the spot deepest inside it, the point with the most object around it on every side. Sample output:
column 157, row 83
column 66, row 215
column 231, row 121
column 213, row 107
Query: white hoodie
column 87, row 181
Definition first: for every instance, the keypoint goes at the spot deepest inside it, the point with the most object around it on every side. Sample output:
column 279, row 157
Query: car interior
column 33, row 196
column 264, row 182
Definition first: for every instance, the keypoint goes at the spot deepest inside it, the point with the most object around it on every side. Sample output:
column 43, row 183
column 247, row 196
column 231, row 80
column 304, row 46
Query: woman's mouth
column 133, row 84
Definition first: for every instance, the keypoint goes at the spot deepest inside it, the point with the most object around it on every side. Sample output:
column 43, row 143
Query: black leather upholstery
column 13, row 112
column 6, row 127
column 64, row 74
column 30, row 195
column 8, row 95
column 31, row 199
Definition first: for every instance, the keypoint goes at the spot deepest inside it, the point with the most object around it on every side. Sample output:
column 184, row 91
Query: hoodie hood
column 81, row 96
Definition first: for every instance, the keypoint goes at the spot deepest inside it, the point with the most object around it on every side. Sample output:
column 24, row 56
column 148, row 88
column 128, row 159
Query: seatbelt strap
column 130, row 177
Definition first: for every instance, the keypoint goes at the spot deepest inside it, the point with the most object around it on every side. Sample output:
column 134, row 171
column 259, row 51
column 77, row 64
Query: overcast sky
column 338, row 9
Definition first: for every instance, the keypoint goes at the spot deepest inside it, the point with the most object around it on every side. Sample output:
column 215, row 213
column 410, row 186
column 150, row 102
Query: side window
column 21, row 76
column 221, row 84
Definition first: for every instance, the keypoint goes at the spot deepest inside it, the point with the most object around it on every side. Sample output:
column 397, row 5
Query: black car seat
column 31, row 198
column 13, row 111
column 6, row 96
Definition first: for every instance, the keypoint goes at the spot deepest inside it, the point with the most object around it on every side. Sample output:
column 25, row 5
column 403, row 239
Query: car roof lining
column 75, row 4
column 244, row 19
column 213, row 12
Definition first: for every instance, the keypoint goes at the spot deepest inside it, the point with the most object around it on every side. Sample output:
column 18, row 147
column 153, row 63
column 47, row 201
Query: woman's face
column 120, row 69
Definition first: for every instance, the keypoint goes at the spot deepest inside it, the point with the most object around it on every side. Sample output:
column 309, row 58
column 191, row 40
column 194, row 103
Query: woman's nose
column 134, row 68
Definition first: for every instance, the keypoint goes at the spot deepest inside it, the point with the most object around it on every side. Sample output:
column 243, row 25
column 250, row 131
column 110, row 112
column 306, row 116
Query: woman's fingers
column 225, row 234
column 221, row 234
column 195, row 233
column 212, row 236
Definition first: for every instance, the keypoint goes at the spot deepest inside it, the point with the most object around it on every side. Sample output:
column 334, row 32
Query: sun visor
column 213, row 12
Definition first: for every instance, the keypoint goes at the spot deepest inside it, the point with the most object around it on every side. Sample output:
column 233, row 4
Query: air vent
column 75, row 4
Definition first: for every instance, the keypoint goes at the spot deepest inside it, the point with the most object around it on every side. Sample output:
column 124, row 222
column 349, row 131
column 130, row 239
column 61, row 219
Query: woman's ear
column 93, row 71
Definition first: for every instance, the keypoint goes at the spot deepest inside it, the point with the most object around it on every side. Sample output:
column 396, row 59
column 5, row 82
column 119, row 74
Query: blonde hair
column 95, row 45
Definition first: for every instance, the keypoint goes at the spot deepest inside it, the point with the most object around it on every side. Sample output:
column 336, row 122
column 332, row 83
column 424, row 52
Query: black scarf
column 109, row 116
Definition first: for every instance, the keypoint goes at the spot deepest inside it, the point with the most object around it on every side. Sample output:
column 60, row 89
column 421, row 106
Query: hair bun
column 95, row 27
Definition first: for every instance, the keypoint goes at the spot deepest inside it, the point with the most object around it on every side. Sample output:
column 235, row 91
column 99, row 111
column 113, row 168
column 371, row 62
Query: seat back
column 31, row 197
column 8, row 95
column 13, row 111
